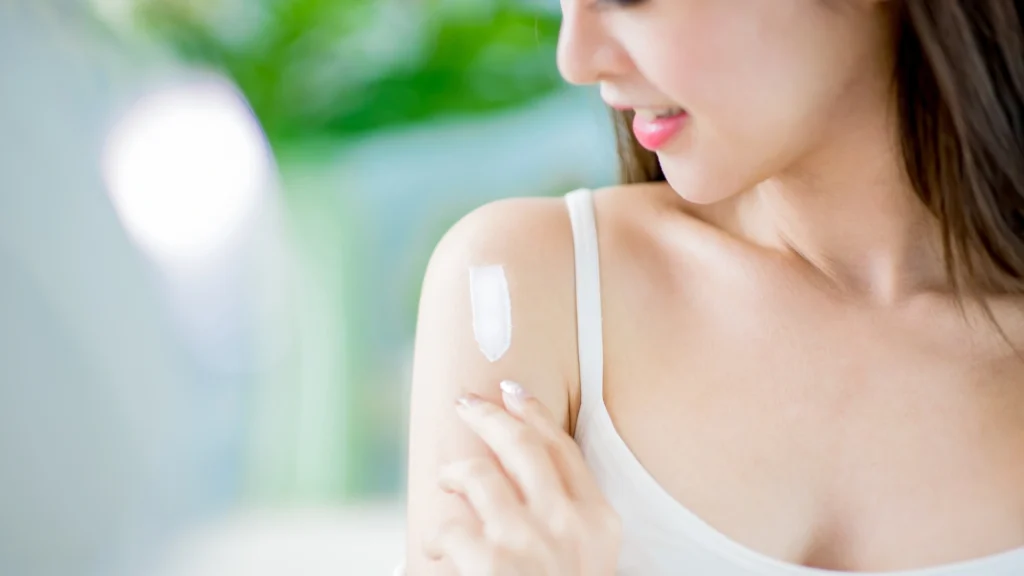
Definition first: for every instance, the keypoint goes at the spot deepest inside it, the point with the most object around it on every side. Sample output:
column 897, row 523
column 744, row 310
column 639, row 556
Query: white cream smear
column 492, row 310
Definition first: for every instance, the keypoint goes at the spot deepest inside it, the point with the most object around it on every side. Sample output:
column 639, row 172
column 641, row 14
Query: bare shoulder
column 649, row 230
column 532, row 235
column 531, row 239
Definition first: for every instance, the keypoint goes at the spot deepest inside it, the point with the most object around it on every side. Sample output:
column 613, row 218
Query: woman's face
column 763, row 83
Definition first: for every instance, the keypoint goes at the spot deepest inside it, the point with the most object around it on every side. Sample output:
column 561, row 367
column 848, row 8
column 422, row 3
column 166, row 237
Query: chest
column 820, row 436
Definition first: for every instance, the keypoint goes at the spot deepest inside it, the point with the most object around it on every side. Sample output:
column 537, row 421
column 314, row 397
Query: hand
column 540, row 512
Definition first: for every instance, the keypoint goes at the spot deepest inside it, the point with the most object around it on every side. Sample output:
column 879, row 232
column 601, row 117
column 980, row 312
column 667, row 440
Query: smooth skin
column 782, row 349
column 538, row 505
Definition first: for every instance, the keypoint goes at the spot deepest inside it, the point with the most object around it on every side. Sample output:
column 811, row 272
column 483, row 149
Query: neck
column 851, row 213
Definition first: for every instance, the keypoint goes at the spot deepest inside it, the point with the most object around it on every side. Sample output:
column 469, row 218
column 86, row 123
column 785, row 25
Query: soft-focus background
column 214, row 219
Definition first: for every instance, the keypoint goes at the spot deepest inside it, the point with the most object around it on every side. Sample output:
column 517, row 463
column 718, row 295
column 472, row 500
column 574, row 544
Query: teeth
column 653, row 113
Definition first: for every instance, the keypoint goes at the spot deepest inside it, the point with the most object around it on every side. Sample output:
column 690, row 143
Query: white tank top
column 660, row 536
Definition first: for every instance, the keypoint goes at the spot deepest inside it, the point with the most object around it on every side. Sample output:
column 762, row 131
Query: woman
column 796, row 351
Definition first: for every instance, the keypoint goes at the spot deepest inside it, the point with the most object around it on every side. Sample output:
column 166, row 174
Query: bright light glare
column 184, row 169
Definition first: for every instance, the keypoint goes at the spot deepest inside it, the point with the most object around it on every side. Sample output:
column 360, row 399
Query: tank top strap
column 589, row 337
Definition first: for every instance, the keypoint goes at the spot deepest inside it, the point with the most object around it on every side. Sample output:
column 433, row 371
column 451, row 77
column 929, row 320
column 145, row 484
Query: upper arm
column 532, row 240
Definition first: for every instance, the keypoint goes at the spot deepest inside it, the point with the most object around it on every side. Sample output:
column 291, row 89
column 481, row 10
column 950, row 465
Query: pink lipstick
column 655, row 132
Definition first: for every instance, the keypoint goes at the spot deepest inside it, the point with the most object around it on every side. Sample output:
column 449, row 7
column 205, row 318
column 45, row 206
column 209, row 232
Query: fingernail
column 467, row 401
column 513, row 393
column 445, row 485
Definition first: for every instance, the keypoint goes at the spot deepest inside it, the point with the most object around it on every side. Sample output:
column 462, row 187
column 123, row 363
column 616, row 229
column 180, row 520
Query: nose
column 587, row 52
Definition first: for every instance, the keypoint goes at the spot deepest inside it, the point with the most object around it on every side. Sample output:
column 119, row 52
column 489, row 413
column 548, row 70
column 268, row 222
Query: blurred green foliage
column 334, row 69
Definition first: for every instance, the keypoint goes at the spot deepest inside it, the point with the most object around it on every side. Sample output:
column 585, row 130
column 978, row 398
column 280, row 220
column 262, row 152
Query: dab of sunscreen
column 492, row 310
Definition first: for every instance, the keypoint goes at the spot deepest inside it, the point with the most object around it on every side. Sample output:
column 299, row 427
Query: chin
column 696, row 185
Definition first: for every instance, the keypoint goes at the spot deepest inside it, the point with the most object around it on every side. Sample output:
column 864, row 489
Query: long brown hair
column 959, row 81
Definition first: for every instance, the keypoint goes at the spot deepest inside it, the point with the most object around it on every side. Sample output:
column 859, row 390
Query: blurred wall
column 89, row 462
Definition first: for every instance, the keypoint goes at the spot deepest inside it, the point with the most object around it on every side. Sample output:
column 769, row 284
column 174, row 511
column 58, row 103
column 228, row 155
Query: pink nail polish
column 467, row 401
column 513, row 393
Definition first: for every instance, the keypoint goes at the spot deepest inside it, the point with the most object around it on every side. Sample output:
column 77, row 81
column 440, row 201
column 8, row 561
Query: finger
column 578, row 478
column 466, row 548
column 520, row 448
column 487, row 489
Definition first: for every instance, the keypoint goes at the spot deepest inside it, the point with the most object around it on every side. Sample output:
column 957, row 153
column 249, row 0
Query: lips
column 653, row 131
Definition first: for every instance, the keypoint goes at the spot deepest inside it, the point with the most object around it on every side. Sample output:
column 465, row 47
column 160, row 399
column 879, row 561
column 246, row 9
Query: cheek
column 755, row 105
